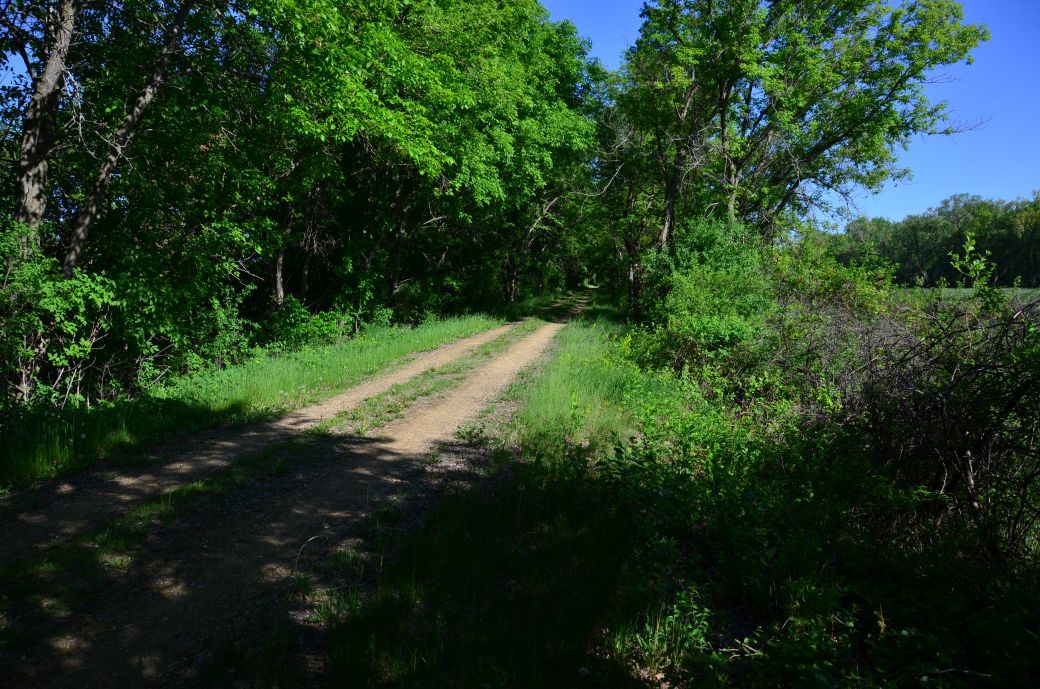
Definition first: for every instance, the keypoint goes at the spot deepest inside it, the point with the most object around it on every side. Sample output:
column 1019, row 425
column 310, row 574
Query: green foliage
column 782, row 475
column 706, row 296
column 303, row 166
column 802, row 519
column 293, row 326
column 50, row 328
column 817, row 507
column 716, row 85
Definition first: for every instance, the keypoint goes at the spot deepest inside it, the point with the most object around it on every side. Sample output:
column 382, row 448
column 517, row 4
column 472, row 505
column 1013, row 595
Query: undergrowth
column 722, row 517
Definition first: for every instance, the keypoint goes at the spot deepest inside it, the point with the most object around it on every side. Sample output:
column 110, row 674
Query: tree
column 43, row 31
column 758, row 108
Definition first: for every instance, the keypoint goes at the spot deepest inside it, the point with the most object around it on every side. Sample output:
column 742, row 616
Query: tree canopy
column 184, row 173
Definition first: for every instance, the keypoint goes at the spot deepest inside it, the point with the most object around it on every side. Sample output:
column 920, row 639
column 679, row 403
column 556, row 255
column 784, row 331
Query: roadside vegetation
column 726, row 498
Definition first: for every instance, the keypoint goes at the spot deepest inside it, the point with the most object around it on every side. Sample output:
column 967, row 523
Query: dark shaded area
column 509, row 581
column 157, row 597
column 135, row 472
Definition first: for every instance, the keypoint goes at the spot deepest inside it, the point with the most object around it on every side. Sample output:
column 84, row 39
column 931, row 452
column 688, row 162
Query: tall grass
column 40, row 443
column 576, row 398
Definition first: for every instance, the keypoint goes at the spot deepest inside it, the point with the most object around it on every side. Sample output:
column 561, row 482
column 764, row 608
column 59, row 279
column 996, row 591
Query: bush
column 705, row 299
column 50, row 327
column 941, row 397
column 949, row 407
column 293, row 326
column 854, row 504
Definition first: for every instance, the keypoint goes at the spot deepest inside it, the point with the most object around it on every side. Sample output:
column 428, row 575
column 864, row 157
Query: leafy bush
column 293, row 326
column 705, row 298
column 853, row 505
column 50, row 327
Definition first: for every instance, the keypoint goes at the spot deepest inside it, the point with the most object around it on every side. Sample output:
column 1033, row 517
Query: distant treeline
column 919, row 246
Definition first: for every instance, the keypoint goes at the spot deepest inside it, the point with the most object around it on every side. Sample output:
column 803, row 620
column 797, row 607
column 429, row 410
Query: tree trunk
column 287, row 215
column 634, row 283
column 671, row 197
column 120, row 139
column 305, row 275
column 38, row 130
column 279, row 277
column 399, row 213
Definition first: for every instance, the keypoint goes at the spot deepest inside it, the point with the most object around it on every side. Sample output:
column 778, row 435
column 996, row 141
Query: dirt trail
column 221, row 569
column 56, row 511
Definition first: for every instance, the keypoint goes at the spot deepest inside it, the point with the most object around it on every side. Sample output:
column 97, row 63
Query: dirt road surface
column 56, row 511
column 222, row 567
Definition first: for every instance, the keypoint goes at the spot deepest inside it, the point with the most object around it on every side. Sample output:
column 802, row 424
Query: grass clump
column 575, row 400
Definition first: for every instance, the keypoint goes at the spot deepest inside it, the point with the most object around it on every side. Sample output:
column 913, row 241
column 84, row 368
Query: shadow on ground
column 151, row 598
column 504, row 582
column 498, row 578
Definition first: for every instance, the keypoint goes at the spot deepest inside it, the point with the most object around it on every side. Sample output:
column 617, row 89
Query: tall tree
column 757, row 108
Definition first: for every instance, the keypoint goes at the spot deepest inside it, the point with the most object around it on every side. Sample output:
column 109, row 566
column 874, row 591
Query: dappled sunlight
column 206, row 575
column 171, row 588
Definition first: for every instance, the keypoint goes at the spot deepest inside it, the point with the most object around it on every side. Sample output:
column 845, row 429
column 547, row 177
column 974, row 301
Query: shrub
column 50, row 327
column 293, row 326
column 705, row 299
column 856, row 504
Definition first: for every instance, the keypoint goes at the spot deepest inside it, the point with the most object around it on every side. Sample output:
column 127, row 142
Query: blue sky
column 1000, row 159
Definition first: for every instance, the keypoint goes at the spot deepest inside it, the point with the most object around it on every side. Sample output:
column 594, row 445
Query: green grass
column 575, row 400
column 52, row 442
